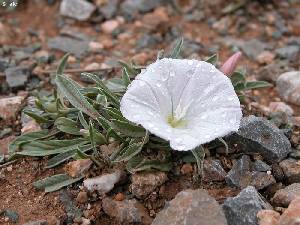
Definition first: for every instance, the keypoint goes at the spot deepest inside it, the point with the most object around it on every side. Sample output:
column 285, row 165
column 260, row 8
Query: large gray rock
column 191, row 207
column 288, row 86
column 258, row 135
column 243, row 208
column 17, row 76
column 69, row 45
column 77, row 9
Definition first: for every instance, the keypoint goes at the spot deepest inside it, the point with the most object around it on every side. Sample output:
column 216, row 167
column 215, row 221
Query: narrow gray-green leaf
column 83, row 121
column 67, row 125
column 62, row 157
column 69, row 89
column 55, row 182
column 176, row 51
column 62, row 64
column 212, row 59
column 256, row 84
column 128, row 128
column 36, row 116
column 52, row 147
column 25, row 138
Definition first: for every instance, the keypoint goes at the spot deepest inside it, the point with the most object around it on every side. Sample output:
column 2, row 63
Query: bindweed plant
column 173, row 103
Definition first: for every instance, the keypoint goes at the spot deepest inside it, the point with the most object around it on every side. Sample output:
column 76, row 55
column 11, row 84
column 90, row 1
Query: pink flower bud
column 231, row 63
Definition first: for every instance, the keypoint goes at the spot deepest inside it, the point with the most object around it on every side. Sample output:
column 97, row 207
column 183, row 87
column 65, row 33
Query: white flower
column 187, row 102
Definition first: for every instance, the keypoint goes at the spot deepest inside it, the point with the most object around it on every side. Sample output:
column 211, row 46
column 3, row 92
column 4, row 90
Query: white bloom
column 187, row 102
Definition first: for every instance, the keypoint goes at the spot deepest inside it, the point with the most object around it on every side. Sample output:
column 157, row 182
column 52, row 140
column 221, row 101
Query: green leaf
column 128, row 129
column 83, row 121
column 225, row 144
column 81, row 155
column 52, row 147
column 116, row 85
column 256, row 84
column 62, row 157
column 238, row 77
column 70, row 90
column 36, row 116
column 199, row 154
column 62, row 64
column 67, row 125
column 115, row 114
column 176, row 51
column 131, row 71
column 105, row 91
column 25, row 138
column 213, row 59
column 137, row 164
column 55, row 182
column 102, row 100
column 132, row 150
column 126, row 77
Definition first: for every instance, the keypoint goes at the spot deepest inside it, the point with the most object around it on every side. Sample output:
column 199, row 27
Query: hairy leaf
column 26, row 138
column 67, row 125
column 55, row 182
column 128, row 129
column 176, row 51
column 70, row 90
column 62, row 157
column 213, row 59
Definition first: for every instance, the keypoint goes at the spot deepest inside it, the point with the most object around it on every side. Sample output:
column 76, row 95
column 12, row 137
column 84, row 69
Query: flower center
column 176, row 123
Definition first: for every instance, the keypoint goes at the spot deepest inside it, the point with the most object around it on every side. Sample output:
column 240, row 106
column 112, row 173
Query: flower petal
column 191, row 90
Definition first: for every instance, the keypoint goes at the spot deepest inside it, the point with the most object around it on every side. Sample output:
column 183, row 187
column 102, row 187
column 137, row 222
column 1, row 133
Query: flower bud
column 231, row 63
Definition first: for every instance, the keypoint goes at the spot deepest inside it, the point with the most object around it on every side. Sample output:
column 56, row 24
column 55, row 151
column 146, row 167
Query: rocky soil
column 258, row 182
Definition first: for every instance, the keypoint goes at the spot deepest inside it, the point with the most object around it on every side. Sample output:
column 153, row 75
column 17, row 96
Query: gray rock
column 261, row 180
column 243, row 208
column 146, row 41
column 191, row 207
column 253, row 48
column 77, row 9
column 130, row 8
column 261, row 166
column 69, row 45
column 66, row 198
column 145, row 183
column 288, row 86
column 109, row 9
column 126, row 211
column 258, row 135
column 38, row 222
column 291, row 170
column 272, row 71
column 213, row 171
column 17, row 76
column 283, row 197
column 289, row 52
column 239, row 175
